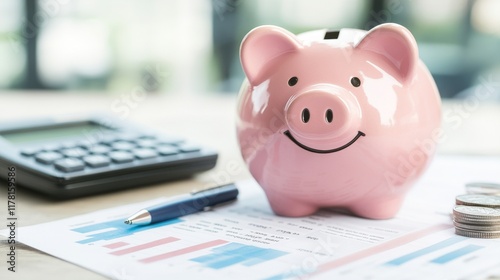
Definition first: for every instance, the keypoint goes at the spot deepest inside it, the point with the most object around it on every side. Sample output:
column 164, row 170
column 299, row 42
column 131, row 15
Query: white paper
column 245, row 240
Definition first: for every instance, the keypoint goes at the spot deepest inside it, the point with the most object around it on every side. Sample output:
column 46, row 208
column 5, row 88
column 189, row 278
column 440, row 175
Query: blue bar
column 224, row 262
column 228, row 247
column 205, row 259
column 440, row 245
column 265, row 256
column 117, row 229
column 289, row 275
column 236, row 253
column 279, row 277
column 456, row 254
column 208, row 260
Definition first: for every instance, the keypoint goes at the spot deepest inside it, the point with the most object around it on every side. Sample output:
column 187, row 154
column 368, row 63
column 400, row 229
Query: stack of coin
column 477, row 215
column 483, row 188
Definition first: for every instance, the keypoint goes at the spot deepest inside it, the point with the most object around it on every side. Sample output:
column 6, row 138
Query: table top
column 205, row 118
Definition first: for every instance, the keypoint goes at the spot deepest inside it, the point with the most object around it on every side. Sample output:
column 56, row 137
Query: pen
column 184, row 205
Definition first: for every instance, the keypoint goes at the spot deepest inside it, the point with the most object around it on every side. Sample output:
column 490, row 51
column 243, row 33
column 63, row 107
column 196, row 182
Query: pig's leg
column 288, row 207
column 382, row 208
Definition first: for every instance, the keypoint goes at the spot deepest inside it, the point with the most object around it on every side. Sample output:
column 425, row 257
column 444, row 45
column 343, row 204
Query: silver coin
column 478, row 200
column 483, row 227
column 483, row 188
column 478, row 222
column 477, row 234
column 476, row 212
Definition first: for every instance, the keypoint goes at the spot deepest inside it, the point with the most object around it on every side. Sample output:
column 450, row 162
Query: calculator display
column 50, row 133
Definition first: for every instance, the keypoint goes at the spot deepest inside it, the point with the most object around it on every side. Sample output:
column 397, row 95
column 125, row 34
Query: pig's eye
column 355, row 81
column 293, row 81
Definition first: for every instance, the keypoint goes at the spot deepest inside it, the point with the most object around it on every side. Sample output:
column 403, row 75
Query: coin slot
column 329, row 35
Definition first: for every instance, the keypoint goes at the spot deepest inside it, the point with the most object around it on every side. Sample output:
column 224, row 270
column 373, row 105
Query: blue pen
column 184, row 205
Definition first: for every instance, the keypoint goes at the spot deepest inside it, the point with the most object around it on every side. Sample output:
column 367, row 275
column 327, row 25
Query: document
column 245, row 240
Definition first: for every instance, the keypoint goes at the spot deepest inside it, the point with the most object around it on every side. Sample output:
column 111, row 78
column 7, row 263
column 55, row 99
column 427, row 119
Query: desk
column 208, row 119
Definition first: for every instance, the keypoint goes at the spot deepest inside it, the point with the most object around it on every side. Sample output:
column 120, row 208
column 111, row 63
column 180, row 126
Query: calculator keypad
column 111, row 150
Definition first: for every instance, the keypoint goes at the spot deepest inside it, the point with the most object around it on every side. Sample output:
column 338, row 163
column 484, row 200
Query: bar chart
column 231, row 253
column 444, row 256
column 115, row 237
column 212, row 244
column 427, row 250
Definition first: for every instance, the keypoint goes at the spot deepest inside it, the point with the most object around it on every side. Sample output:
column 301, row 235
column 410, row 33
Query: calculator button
column 127, row 137
column 121, row 156
column 170, row 140
column 189, row 148
column 47, row 157
column 122, row 145
column 86, row 143
column 69, row 145
column 29, row 151
column 69, row 164
column 99, row 149
column 147, row 136
column 145, row 153
column 74, row 152
column 108, row 139
column 146, row 143
column 51, row 147
column 167, row 150
column 97, row 160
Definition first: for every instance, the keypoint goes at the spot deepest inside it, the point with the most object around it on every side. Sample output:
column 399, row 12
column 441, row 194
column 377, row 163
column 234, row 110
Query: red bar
column 116, row 245
column 144, row 246
column 183, row 251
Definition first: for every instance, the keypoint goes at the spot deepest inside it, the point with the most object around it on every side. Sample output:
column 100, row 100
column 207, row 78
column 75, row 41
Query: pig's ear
column 261, row 45
column 394, row 43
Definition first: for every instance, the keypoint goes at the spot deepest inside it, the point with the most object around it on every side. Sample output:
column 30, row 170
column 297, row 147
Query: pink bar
column 116, row 245
column 183, row 251
column 381, row 247
column 144, row 246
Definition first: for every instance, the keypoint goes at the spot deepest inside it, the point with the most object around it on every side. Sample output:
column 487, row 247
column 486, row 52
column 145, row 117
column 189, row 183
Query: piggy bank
column 345, row 119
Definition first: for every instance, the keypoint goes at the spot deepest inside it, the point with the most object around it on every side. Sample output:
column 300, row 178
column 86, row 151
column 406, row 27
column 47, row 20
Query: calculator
column 73, row 156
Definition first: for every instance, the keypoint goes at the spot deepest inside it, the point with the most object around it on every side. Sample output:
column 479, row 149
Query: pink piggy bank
column 344, row 119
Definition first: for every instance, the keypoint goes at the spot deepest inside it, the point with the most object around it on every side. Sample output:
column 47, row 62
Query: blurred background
column 173, row 47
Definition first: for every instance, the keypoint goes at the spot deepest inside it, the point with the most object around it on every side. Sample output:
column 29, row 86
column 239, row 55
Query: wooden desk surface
column 208, row 119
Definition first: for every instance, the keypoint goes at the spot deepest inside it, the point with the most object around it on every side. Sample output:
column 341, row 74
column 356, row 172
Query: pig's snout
column 323, row 112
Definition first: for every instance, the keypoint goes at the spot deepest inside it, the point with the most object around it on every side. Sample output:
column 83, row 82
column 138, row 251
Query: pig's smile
column 289, row 135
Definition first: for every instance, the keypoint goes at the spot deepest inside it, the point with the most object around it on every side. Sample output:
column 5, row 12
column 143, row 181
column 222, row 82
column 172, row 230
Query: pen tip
column 128, row 222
